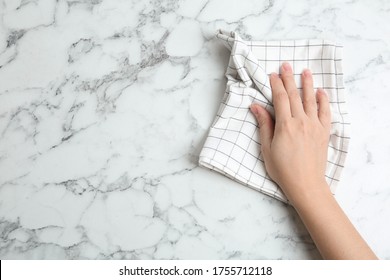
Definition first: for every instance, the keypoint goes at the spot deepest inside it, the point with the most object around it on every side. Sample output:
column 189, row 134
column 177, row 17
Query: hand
column 294, row 147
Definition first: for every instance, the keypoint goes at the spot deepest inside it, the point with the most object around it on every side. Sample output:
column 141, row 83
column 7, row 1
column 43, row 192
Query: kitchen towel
column 232, row 146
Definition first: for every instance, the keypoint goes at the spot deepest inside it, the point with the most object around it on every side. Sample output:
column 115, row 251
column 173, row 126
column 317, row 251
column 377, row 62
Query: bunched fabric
column 232, row 146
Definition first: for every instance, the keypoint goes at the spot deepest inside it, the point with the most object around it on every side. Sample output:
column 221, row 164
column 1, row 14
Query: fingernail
column 307, row 73
column 274, row 75
column 322, row 91
column 286, row 67
column 254, row 110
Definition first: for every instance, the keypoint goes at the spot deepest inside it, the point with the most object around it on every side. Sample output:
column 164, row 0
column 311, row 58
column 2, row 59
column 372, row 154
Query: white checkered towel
column 232, row 146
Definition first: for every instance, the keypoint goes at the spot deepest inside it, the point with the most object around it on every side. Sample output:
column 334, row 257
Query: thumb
column 266, row 125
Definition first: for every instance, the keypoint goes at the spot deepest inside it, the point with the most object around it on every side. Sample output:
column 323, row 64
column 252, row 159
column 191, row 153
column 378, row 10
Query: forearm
column 329, row 227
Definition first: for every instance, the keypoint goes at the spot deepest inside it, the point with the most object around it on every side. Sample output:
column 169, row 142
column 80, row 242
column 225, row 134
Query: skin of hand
column 294, row 148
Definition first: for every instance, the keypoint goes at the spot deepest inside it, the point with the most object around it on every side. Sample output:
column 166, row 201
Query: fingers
column 279, row 98
column 323, row 108
column 266, row 125
column 308, row 96
column 291, row 88
column 287, row 101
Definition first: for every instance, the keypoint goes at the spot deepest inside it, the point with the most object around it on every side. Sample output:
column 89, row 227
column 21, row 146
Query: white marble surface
column 104, row 106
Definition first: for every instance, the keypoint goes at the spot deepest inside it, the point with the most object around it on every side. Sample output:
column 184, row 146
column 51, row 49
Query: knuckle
column 294, row 93
column 262, row 123
column 303, row 126
column 309, row 99
column 280, row 96
column 324, row 113
column 309, row 104
column 285, row 125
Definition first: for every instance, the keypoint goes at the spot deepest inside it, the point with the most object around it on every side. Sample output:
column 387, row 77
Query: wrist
column 311, row 194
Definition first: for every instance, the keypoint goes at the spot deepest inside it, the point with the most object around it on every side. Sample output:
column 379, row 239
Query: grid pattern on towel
column 232, row 146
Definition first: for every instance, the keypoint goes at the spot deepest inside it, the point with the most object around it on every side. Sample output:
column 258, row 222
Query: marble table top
column 104, row 107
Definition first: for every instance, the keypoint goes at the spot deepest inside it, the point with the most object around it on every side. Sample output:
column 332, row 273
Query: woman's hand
column 294, row 147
